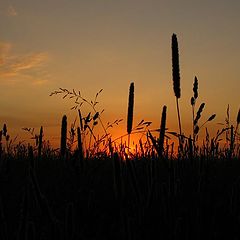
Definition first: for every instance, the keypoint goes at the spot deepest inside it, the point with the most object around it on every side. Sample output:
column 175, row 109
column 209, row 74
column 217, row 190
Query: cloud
column 4, row 50
column 11, row 11
column 28, row 66
column 18, row 64
column 39, row 82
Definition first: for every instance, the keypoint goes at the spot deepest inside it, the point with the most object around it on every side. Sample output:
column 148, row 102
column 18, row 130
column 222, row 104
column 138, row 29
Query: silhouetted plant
column 130, row 111
column 176, row 81
column 31, row 157
column 90, row 121
column 162, row 130
column 63, row 144
column 238, row 123
column 196, row 128
column 40, row 142
column 193, row 102
column 80, row 146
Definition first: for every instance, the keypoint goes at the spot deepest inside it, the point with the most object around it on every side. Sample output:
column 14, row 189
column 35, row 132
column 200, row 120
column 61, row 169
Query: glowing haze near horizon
column 93, row 44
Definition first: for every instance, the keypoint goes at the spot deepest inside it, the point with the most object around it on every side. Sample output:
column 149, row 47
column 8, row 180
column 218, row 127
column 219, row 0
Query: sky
column 90, row 45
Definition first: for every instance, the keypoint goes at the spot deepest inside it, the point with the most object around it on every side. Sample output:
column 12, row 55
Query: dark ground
column 197, row 199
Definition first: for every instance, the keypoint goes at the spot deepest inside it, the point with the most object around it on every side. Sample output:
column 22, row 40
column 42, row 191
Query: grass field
column 95, row 187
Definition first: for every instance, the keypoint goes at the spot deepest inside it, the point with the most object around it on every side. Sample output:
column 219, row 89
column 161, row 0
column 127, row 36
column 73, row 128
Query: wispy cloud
column 4, row 50
column 27, row 66
column 11, row 11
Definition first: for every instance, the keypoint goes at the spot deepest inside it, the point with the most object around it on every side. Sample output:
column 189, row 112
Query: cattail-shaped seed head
column 195, row 88
column 130, row 108
column 162, row 128
column 63, row 136
column 175, row 67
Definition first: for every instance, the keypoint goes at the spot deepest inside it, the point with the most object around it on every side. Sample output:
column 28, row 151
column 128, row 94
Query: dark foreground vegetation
column 94, row 187
column 112, row 198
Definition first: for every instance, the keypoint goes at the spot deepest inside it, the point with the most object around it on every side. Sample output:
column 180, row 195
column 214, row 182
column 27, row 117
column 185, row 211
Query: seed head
column 195, row 88
column 175, row 67
column 130, row 108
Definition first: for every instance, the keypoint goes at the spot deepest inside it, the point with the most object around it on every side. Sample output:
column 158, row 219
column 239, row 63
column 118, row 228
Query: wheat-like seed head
column 211, row 118
column 130, row 108
column 175, row 67
column 162, row 128
column 195, row 88
column 199, row 113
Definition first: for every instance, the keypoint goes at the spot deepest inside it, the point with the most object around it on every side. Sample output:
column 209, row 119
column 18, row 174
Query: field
column 106, row 198
column 93, row 187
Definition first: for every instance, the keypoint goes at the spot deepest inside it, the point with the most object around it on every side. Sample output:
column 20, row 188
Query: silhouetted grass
column 105, row 190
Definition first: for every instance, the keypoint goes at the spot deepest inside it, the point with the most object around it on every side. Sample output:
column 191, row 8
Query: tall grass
column 193, row 102
column 109, row 194
column 40, row 142
column 176, row 81
column 130, row 112
column 63, row 145
column 162, row 130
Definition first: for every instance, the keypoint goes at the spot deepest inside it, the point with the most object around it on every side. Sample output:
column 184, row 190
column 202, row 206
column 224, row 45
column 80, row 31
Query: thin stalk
column 179, row 123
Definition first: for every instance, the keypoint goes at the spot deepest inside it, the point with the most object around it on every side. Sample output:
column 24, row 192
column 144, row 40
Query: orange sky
column 89, row 45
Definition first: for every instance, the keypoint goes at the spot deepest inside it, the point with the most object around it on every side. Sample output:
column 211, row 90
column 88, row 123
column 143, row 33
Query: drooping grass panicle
column 63, row 146
column 175, row 67
column 130, row 108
